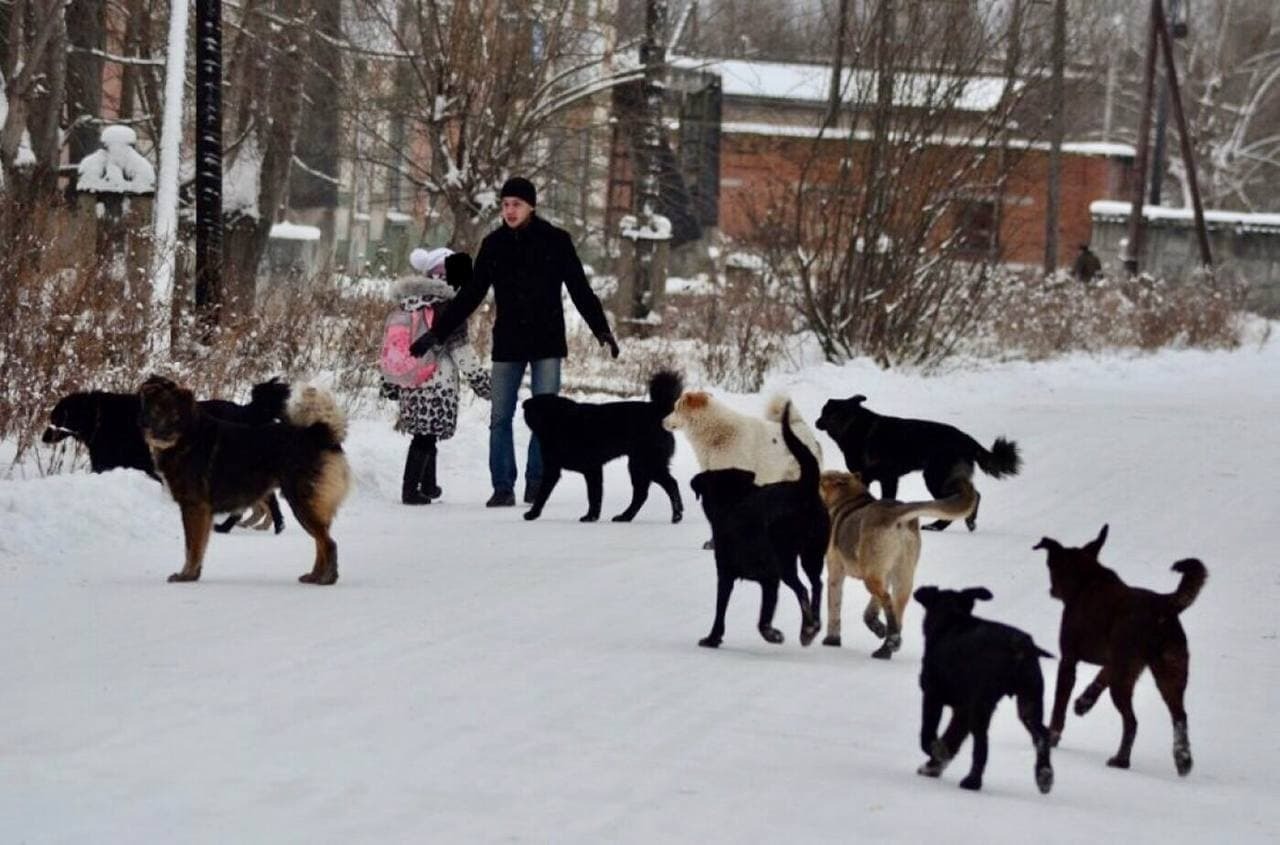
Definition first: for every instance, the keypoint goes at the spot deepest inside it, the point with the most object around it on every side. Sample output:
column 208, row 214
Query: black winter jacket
column 526, row 268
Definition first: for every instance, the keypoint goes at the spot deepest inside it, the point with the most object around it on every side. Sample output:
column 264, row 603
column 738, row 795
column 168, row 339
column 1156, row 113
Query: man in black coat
column 526, row 261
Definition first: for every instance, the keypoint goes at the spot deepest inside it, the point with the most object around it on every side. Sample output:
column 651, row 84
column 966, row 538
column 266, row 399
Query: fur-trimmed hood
column 413, row 292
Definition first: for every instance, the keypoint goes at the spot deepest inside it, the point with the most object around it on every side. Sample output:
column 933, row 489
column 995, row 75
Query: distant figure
column 1087, row 266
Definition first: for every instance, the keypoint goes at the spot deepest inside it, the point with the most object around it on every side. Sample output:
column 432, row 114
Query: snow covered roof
column 1217, row 218
column 295, row 232
column 117, row 168
column 811, row 83
column 791, row 130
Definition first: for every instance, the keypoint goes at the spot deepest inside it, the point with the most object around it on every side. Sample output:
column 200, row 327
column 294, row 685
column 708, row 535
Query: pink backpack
column 401, row 329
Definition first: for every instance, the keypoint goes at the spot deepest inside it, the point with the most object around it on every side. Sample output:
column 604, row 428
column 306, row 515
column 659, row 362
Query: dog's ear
column 857, row 399
column 977, row 594
column 1049, row 544
column 926, row 596
column 1095, row 545
column 698, row 484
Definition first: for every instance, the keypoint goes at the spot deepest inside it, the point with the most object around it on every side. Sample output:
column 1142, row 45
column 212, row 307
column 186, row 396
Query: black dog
column 583, row 438
column 758, row 532
column 107, row 425
column 884, row 448
column 104, row 423
column 969, row 664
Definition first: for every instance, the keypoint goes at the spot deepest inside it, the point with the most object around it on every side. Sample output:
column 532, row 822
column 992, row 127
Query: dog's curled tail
column 810, row 469
column 1194, row 574
column 1002, row 460
column 311, row 407
column 665, row 387
column 956, row 506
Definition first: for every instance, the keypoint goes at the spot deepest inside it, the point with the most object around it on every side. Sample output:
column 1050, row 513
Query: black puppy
column 584, row 437
column 883, row 449
column 969, row 664
column 106, row 424
column 758, row 532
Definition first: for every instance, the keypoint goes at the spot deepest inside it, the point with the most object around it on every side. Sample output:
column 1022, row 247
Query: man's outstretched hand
column 423, row 345
column 606, row 339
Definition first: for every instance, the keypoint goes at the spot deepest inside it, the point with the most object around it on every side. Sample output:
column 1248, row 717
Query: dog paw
column 622, row 517
column 1183, row 763
column 591, row 517
column 931, row 769
column 772, row 635
column 971, row 524
column 937, row 525
column 1083, row 705
column 677, row 516
column 1118, row 762
column 709, row 642
column 223, row 529
column 182, row 577
column 531, row 515
column 279, row 528
column 875, row 626
column 709, row 545
column 832, row 640
column 884, row 652
column 1044, row 779
column 973, row 782
column 1055, row 736
column 807, row 633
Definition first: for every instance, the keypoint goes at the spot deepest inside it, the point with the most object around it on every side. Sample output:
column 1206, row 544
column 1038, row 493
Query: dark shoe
column 531, row 492
column 501, row 499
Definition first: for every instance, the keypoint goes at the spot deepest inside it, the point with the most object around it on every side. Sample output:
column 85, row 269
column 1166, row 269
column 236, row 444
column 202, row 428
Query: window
column 975, row 230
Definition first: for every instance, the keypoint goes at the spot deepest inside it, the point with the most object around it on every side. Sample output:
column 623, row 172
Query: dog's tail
column 773, row 412
column 956, row 506
column 665, row 388
column 810, row 470
column 1194, row 574
column 316, row 409
column 1002, row 460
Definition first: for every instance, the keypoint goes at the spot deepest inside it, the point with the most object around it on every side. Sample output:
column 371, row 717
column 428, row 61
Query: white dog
column 722, row 438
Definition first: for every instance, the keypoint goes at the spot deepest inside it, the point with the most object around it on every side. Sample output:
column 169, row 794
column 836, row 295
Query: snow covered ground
column 476, row 678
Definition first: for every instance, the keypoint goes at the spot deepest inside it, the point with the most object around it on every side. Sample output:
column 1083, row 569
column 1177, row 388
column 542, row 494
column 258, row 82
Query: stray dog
column 1125, row 630
column 885, row 448
column 969, row 664
column 584, row 437
column 267, row 402
column 106, row 424
column 879, row 542
column 722, row 438
column 209, row 465
column 758, row 533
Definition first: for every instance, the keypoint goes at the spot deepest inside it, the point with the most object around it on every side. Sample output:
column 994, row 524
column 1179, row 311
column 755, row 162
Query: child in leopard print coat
column 430, row 412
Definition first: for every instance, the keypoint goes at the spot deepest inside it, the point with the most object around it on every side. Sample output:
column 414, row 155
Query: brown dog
column 1125, row 630
column 209, row 466
column 878, row 542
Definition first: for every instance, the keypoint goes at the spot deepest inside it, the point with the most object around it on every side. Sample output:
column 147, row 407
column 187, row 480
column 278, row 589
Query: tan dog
column 878, row 542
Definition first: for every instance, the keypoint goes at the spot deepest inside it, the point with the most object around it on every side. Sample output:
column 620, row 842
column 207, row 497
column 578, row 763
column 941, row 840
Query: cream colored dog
column 878, row 542
column 722, row 438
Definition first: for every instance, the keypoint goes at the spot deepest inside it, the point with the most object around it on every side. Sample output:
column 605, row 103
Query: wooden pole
column 1184, row 136
column 1138, row 188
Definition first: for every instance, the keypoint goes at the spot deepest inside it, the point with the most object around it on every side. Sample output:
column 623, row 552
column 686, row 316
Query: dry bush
column 1038, row 318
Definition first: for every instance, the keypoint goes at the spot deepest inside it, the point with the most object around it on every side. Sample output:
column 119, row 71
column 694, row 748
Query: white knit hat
column 429, row 262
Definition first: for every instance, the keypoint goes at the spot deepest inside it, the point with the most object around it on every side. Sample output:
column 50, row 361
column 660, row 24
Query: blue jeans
column 544, row 375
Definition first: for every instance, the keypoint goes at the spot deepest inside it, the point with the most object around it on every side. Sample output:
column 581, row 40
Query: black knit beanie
column 521, row 188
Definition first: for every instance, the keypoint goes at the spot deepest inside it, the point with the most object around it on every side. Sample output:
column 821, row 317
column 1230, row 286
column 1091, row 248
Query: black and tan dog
column 884, row 449
column 969, row 664
column 1125, row 630
column 209, row 465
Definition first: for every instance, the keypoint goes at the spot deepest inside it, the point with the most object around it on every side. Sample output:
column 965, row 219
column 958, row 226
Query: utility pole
column 837, row 65
column 1058, row 128
column 1012, row 59
column 1159, row 163
column 1137, row 229
column 208, row 280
